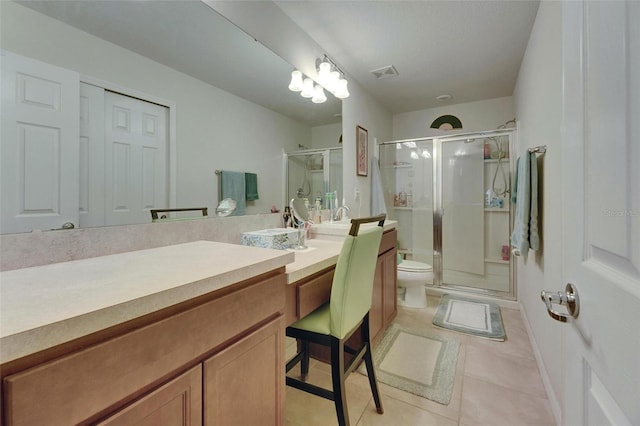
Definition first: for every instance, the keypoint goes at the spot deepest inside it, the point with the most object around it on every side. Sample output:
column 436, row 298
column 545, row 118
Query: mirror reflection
column 164, row 94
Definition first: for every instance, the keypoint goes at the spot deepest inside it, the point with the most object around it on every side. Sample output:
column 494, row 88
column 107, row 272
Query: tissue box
column 275, row 238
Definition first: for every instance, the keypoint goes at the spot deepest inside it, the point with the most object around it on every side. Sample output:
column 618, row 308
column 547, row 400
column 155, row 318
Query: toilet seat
column 414, row 266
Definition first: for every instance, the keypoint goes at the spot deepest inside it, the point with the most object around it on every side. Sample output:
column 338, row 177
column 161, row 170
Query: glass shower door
column 475, row 214
column 313, row 173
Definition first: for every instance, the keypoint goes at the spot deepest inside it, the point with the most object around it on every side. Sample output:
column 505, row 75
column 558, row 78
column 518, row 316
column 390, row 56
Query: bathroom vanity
column 310, row 287
column 168, row 333
column 175, row 332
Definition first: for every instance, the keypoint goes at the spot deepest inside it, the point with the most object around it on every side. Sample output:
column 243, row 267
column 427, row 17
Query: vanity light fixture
column 330, row 77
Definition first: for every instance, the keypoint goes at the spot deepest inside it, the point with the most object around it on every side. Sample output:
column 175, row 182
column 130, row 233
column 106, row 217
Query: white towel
column 378, row 205
column 525, row 228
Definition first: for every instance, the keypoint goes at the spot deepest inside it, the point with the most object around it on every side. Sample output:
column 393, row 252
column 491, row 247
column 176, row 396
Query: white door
column 135, row 159
column 601, row 210
column 39, row 149
column 92, row 132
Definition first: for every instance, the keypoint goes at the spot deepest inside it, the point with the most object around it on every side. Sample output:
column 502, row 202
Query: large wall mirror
column 158, row 96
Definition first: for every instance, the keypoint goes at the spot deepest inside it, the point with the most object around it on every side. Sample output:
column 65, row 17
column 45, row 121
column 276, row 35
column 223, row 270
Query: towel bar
column 539, row 149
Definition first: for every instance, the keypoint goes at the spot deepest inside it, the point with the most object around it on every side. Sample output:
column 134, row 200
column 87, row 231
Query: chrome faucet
column 341, row 212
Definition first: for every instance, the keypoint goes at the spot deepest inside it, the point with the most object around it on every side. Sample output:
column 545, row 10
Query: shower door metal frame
column 438, row 211
column 326, row 171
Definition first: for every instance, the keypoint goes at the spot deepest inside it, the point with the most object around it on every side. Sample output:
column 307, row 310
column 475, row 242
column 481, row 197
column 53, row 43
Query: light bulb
column 332, row 81
column 324, row 71
column 318, row 95
column 307, row 89
column 341, row 90
column 296, row 81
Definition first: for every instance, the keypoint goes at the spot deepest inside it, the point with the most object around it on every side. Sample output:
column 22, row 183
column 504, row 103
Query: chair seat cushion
column 317, row 321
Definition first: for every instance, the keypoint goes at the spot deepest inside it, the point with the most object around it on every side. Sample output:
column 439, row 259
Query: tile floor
column 497, row 383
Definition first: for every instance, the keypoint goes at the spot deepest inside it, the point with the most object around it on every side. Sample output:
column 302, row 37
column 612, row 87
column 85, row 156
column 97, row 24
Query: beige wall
column 538, row 102
column 475, row 116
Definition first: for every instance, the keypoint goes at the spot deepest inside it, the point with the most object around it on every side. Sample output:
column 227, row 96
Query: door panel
column 92, row 194
column 601, row 214
column 135, row 159
column 40, row 150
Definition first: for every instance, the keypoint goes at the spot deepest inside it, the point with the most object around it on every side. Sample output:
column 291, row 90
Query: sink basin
column 275, row 238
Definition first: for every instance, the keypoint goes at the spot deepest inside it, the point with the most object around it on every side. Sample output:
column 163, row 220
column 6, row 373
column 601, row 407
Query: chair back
column 352, row 288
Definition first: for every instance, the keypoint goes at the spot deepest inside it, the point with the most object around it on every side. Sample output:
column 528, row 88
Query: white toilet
column 412, row 277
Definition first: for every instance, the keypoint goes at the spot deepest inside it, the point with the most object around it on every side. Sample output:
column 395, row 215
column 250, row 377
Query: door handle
column 568, row 298
column 66, row 225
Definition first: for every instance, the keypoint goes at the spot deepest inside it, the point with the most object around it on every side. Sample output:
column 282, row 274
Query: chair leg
column 368, row 360
column 304, row 362
column 337, row 376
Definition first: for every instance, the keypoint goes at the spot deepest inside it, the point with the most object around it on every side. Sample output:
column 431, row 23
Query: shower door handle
column 569, row 298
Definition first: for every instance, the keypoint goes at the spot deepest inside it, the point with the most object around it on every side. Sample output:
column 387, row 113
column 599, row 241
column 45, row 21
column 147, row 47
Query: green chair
column 335, row 322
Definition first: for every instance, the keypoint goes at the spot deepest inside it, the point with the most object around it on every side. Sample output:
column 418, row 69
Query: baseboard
column 551, row 395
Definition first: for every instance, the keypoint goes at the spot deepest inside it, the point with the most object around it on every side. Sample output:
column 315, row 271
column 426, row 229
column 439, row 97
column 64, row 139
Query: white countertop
column 328, row 230
column 319, row 255
column 43, row 306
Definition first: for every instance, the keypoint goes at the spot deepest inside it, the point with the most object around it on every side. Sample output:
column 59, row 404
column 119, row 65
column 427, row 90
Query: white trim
column 171, row 105
column 551, row 396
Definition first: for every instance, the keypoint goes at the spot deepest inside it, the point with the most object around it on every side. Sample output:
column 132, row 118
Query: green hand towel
column 251, row 182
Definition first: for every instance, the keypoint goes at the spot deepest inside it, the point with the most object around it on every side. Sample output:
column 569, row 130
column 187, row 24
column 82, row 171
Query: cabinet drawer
column 389, row 240
column 314, row 293
column 99, row 379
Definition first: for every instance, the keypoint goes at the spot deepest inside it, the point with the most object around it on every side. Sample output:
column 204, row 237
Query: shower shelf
column 494, row 160
column 489, row 209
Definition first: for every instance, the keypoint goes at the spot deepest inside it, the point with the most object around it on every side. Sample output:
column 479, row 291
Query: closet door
column 39, row 150
column 92, row 131
column 135, row 159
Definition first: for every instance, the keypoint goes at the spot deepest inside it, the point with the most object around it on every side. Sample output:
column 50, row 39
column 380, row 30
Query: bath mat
column 470, row 316
column 416, row 361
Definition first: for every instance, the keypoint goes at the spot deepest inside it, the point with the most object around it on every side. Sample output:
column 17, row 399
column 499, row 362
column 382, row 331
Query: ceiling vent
column 384, row 72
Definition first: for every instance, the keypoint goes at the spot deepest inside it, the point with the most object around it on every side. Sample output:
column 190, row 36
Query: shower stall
column 312, row 173
column 451, row 198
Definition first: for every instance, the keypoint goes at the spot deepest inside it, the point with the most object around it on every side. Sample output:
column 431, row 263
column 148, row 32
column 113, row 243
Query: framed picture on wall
column 362, row 157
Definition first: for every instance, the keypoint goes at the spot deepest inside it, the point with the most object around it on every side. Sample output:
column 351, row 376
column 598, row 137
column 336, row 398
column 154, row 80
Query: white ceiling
column 469, row 49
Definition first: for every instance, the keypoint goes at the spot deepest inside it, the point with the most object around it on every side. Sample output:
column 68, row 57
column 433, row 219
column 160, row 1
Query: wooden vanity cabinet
column 314, row 291
column 178, row 402
column 219, row 358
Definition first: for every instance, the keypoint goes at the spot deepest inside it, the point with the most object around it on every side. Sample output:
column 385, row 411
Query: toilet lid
column 413, row 266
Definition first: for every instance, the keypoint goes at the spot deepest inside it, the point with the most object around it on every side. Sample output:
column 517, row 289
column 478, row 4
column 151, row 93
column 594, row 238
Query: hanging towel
column 378, row 205
column 525, row 228
column 251, row 186
column 534, row 239
column 233, row 186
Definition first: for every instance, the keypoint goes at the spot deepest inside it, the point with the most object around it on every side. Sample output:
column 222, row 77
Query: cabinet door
column 244, row 383
column 375, row 314
column 179, row 402
column 389, row 287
